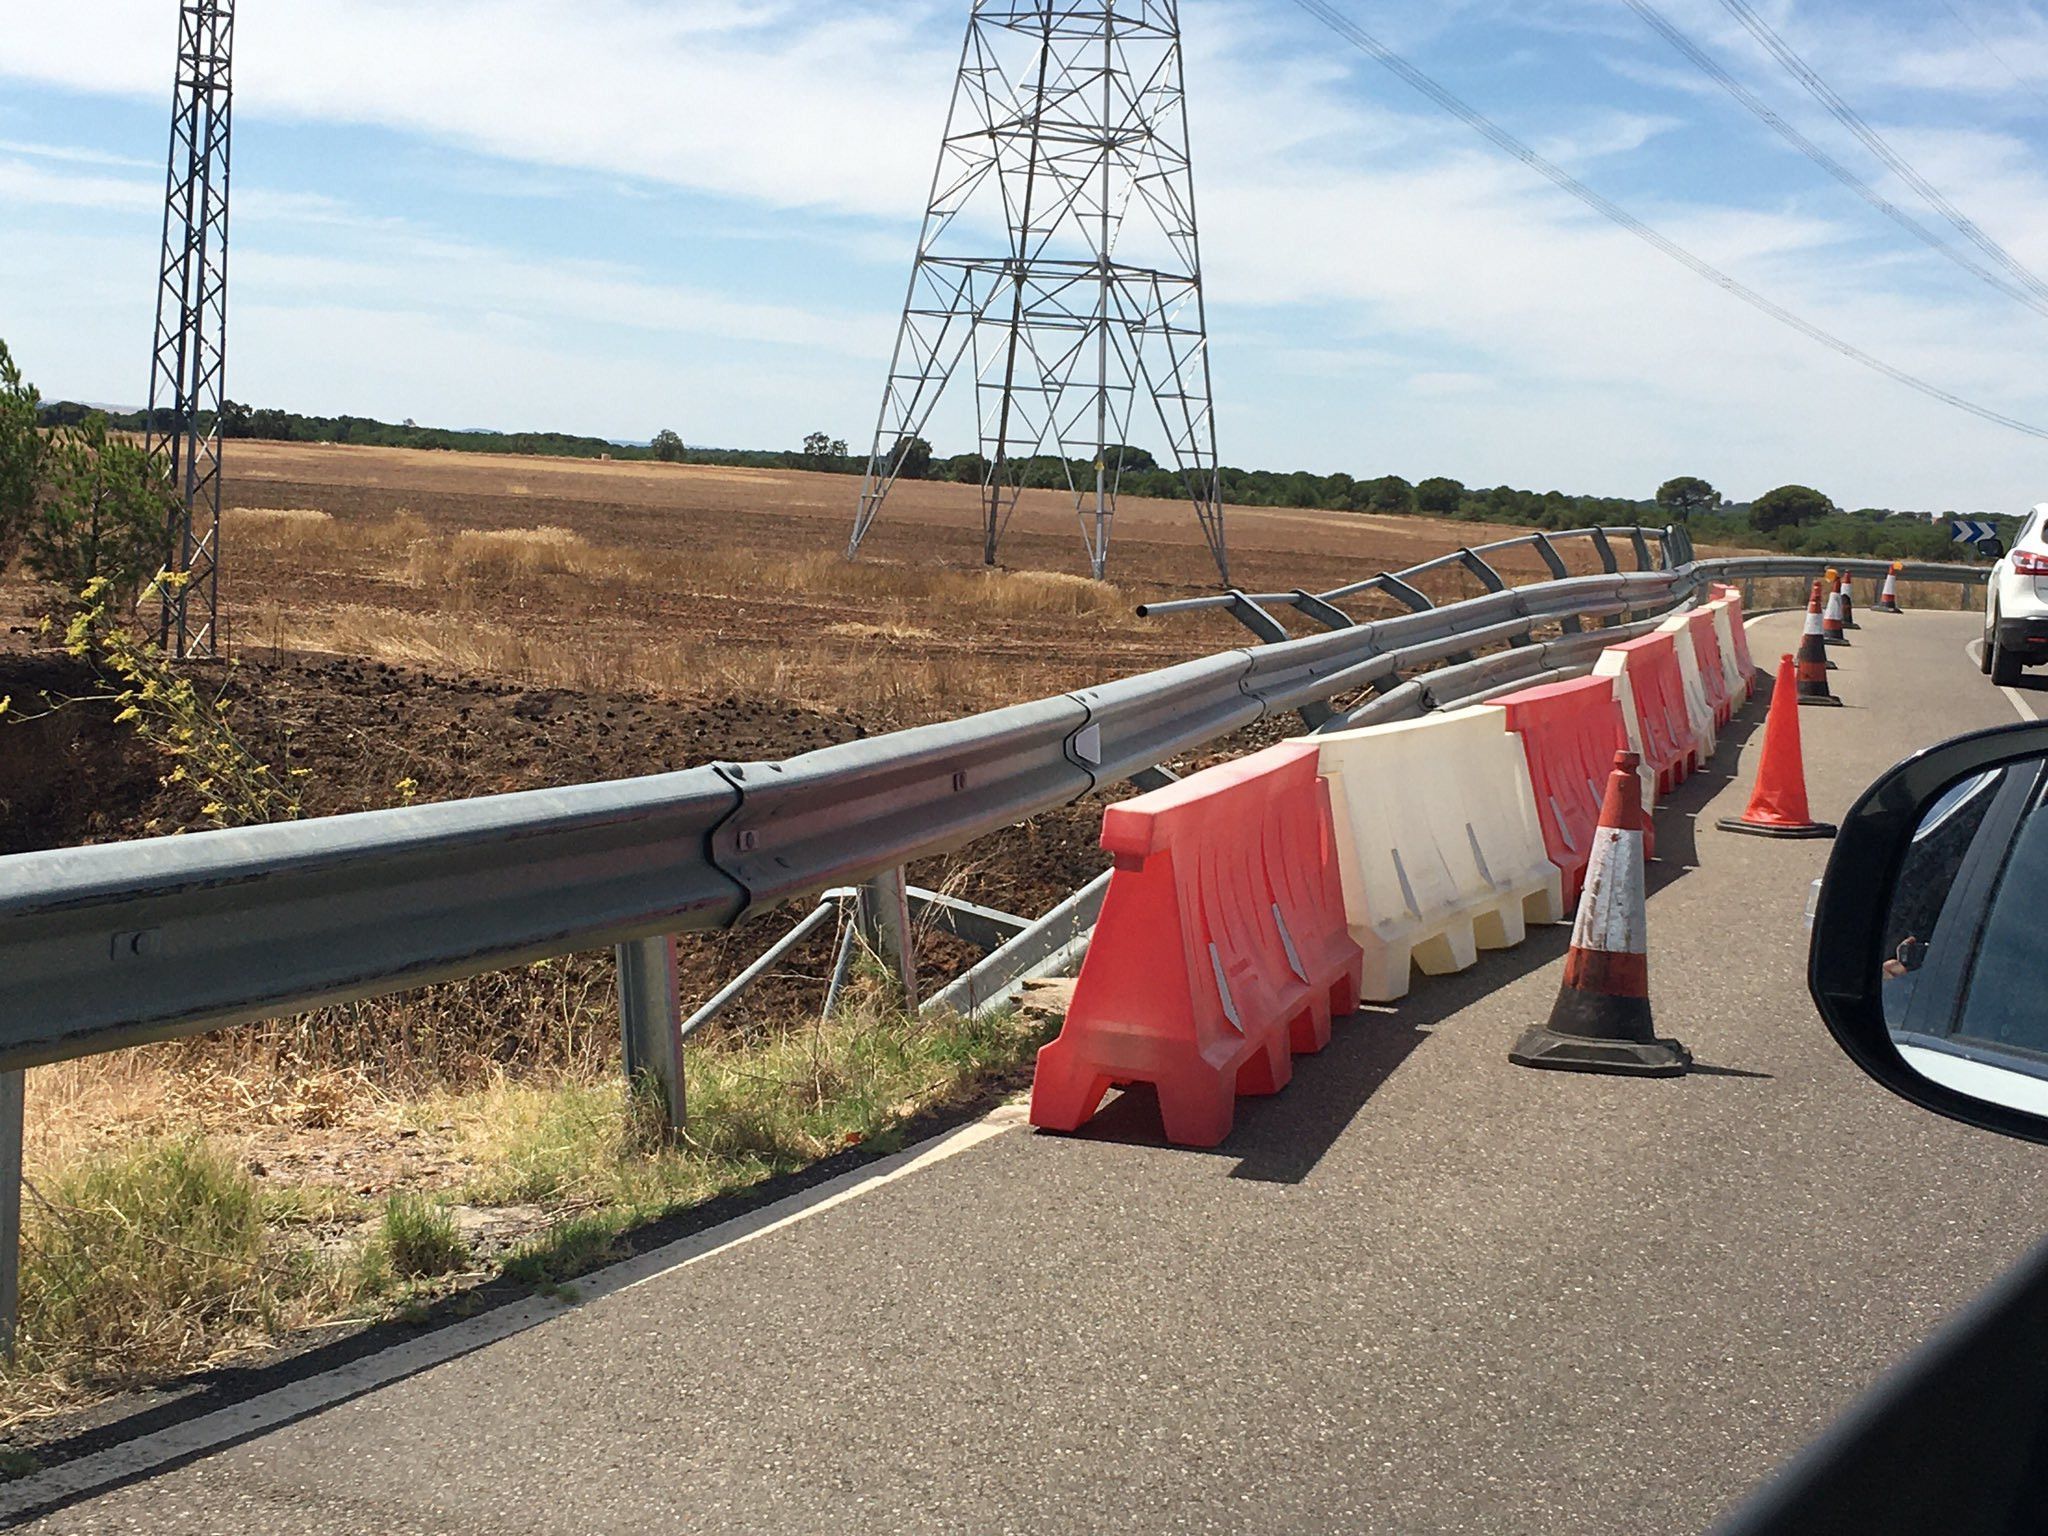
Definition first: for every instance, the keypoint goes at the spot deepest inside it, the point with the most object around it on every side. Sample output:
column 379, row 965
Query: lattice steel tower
column 1060, row 260
column 188, row 370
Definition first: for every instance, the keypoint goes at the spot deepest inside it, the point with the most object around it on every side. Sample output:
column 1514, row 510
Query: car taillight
column 2030, row 565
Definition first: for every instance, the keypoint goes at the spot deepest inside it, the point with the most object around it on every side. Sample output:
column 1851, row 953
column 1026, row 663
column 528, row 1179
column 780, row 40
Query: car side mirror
column 1991, row 549
column 1927, row 961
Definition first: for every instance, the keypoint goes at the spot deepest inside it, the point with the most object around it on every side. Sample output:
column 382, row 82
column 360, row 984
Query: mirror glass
column 1965, row 984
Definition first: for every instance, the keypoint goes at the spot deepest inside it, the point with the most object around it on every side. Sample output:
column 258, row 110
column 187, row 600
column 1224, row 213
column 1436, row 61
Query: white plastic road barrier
column 1614, row 666
column 1438, row 843
column 1740, row 689
column 1697, row 708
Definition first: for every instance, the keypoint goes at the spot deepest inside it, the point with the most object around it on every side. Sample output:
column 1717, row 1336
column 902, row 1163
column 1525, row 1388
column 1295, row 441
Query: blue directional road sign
column 1964, row 530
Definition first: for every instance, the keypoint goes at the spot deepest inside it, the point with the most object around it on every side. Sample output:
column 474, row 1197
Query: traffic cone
column 1888, row 600
column 1831, row 618
column 1849, row 602
column 1777, row 806
column 1813, row 660
column 1602, row 1019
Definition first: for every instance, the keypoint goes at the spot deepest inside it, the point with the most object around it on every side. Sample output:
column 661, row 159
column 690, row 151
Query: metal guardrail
column 1762, row 567
column 125, row 943
column 121, row 944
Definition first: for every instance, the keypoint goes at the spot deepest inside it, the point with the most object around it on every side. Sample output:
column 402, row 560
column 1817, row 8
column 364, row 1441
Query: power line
column 1847, row 116
column 1986, row 44
column 1501, row 139
column 1708, row 65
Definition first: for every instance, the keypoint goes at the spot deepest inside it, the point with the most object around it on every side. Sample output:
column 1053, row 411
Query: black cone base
column 1828, row 701
column 1811, row 829
column 1549, row 1051
column 1834, row 640
column 1595, row 1032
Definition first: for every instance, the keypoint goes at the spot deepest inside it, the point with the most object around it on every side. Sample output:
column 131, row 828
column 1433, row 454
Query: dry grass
column 500, row 555
column 408, row 550
column 810, row 674
column 479, row 557
column 273, row 523
column 475, row 578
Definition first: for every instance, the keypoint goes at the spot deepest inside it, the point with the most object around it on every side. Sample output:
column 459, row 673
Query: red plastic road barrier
column 1570, row 733
column 1706, row 648
column 1737, row 624
column 1222, row 947
column 1659, row 688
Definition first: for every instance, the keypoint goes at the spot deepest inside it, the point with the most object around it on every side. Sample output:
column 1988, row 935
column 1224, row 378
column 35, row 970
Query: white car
column 2016, row 604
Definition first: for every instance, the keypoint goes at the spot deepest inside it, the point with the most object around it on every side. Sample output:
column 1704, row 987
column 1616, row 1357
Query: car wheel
column 2005, row 667
column 1984, row 655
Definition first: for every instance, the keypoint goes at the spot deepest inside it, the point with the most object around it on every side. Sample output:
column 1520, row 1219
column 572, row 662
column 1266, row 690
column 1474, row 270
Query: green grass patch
column 157, row 1257
column 757, row 1108
column 419, row 1236
column 567, row 1249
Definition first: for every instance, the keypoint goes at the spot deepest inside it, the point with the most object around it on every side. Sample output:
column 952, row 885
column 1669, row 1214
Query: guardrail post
column 11, row 1095
column 651, row 1021
column 885, row 924
column 1605, row 550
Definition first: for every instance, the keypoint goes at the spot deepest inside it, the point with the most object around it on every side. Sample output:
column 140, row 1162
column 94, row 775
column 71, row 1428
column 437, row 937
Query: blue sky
column 611, row 216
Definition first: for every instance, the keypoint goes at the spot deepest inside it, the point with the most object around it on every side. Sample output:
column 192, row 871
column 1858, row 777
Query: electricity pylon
column 187, row 376
column 1060, row 261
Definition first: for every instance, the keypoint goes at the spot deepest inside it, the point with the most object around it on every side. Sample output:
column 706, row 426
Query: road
column 1420, row 1291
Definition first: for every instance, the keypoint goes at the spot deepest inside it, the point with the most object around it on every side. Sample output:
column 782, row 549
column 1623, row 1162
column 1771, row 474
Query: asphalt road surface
column 1420, row 1291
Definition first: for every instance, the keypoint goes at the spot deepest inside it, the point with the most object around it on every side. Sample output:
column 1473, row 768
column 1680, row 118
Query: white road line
column 302, row 1399
column 2021, row 704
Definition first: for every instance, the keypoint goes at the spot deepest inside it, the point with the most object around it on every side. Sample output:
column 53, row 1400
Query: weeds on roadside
column 420, row 1240
column 236, row 788
column 156, row 1258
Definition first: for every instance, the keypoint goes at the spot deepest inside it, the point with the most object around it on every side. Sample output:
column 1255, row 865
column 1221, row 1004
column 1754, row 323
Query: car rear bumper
column 2026, row 638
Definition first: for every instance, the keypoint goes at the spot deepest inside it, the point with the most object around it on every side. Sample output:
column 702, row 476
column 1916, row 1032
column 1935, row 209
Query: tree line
column 1795, row 519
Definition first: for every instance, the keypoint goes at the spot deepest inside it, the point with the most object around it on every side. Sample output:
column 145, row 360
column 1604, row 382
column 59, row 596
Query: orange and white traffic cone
column 1849, row 602
column 1812, row 662
column 1777, row 806
column 1831, row 617
column 1602, row 1019
column 1888, row 599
